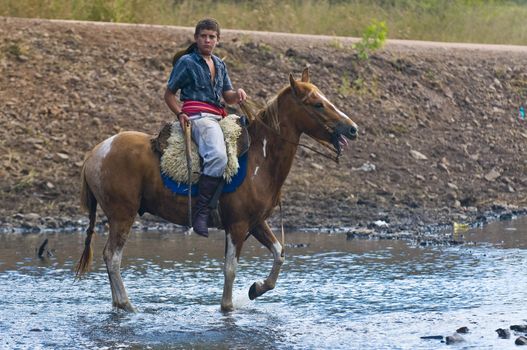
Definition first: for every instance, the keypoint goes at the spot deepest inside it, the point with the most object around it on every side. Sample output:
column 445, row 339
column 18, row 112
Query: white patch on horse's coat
column 264, row 150
column 101, row 153
column 106, row 146
column 277, row 248
column 229, row 270
column 256, row 171
column 230, row 262
column 342, row 114
column 116, row 260
column 231, row 250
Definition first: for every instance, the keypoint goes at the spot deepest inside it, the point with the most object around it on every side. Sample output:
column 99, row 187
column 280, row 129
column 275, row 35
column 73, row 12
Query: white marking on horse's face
column 264, row 150
column 256, row 171
column 324, row 98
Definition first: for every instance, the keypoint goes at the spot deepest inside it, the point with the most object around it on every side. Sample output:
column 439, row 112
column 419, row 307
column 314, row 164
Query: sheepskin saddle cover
column 170, row 144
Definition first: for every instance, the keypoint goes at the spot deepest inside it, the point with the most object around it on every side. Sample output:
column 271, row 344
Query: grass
column 481, row 21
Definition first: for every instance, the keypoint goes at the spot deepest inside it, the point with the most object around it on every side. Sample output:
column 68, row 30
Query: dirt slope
column 439, row 135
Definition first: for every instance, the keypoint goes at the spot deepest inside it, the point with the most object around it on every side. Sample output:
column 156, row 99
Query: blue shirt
column 191, row 75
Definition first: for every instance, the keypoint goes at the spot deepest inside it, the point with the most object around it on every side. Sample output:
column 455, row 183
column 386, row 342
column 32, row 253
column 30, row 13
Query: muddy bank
column 440, row 141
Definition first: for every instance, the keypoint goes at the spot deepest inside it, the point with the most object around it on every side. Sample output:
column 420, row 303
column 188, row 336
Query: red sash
column 196, row 107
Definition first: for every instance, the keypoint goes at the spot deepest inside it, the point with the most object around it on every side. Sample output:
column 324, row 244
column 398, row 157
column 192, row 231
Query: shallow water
column 332, row 293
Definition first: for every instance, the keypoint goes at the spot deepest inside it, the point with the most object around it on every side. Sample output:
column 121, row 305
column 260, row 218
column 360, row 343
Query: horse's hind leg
column 234, row 240
column 264, row 235
column 113, row 252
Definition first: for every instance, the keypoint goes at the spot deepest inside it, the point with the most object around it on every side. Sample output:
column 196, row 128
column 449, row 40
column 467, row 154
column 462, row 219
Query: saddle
column 167, row 145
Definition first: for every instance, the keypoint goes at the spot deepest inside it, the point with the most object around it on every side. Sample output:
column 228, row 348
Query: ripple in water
column 332, row 293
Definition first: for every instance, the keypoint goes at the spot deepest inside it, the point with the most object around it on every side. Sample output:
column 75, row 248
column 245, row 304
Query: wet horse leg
column 234, row 239
column 113, row 253
column 262, row 232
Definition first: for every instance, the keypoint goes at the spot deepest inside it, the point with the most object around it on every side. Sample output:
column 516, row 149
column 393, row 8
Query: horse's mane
column 267, row 114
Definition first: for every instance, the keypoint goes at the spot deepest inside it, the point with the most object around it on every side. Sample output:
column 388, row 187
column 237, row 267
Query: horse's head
column 318, row 117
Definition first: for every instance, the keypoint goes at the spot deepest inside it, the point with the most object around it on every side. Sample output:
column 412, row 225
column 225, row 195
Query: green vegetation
column 483, row 21
column 373, row 39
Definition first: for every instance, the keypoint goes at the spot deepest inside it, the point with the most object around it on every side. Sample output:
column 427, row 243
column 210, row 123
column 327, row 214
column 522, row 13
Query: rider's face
column 206, row 40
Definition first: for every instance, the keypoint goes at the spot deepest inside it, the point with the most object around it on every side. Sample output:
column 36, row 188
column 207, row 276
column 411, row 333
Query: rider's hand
column 183, row 120
column 242, row 96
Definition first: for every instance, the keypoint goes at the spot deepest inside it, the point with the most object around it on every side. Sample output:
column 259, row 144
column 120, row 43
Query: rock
column 420, row 177
column 503, row 333
column 63, row 156
column 418, row 155
column 359, row 233
column 521, row 341
column 380, row 223
column 519, row 328
column 452, row 186
column 492, row 175
column 51, row 222
column 96, row 121
column 438, row 337
column 291, row 52
column 443, row 167
column 497, row 82
column 366, row 167
column 33, row 217
column 297, row 245
column 462, row 330
column 18, row 216
column 454, row 339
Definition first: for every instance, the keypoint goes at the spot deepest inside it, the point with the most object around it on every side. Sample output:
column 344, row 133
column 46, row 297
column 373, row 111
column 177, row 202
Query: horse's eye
column 318, row 105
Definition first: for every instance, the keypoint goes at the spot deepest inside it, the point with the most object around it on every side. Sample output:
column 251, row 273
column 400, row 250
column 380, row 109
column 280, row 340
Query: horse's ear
column 305, row 75
column 293, row 83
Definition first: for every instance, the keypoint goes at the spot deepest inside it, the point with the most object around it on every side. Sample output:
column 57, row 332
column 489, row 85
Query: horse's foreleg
column 113, row 252
column 233, row 245
column 264, row 235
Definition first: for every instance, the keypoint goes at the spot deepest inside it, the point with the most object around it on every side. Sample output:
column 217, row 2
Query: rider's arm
column 230, row 95
column 173, row 104
column 179, row 77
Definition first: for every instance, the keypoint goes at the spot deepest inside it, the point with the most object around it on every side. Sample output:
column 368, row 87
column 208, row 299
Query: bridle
column 302, row 101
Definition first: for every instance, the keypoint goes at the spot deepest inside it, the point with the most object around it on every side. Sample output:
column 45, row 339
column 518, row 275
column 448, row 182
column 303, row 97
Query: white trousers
column 207, row 134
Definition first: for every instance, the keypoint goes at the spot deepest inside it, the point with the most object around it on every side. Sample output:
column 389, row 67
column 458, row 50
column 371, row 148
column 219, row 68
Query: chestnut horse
column 122, row 175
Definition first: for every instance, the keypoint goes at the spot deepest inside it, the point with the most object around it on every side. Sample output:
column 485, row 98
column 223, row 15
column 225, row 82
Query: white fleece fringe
column 174, row 161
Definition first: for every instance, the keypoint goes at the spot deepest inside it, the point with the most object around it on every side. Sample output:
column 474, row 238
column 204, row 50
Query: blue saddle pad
column 237, row 180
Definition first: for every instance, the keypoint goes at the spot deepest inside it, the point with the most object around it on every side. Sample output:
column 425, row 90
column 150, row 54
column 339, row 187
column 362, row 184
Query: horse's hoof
column 227, row 308
column 128, row 307
column 252, row 292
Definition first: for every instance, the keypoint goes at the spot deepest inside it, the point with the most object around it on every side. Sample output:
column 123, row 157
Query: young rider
column 203, row 81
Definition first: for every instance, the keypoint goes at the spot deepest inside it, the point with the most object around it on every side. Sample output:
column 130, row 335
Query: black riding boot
column 200, row 213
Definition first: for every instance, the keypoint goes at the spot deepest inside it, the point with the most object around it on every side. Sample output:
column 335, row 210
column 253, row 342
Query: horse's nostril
column 353, row 130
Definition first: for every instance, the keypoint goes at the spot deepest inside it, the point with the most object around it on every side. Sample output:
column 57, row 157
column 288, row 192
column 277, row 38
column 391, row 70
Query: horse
column 122, row 176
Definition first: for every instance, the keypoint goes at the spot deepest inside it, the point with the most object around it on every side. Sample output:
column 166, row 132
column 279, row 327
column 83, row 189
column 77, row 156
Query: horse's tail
column 88, row 202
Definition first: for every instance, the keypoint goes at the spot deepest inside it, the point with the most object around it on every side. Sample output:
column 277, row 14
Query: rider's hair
column 204, row 24
column 209, row 24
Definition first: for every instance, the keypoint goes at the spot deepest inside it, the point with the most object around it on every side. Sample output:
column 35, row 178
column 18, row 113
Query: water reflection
column 333, row 293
